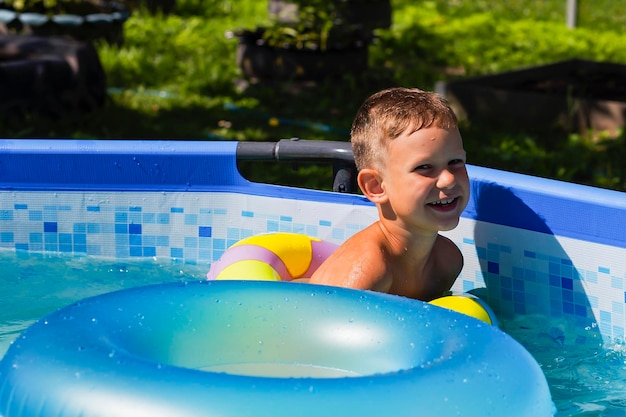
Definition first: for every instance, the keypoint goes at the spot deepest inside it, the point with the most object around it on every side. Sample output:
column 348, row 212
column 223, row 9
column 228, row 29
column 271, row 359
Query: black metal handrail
column 337, row 153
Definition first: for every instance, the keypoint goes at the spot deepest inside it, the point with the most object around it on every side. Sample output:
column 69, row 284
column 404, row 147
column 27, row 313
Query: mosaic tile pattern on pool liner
column 527, row 272
column 524, row 272
column 192, row 227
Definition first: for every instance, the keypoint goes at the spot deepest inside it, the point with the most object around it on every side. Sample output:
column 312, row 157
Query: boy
column 411, row 162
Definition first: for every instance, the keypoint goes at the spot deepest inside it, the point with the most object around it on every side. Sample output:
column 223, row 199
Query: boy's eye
column 456, row 162
column 422, row 167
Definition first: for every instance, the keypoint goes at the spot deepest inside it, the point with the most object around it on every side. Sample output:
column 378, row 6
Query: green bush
column 482, row 43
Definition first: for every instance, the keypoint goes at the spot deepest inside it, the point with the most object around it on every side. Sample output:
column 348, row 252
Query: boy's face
column 425, row 179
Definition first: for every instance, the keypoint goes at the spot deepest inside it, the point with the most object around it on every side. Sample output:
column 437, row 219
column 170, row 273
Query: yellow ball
column 469, row 305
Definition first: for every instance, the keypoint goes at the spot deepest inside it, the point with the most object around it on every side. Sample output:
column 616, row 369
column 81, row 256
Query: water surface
column 585, row 379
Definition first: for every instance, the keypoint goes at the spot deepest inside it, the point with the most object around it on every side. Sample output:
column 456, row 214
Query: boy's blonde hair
column 387, row 114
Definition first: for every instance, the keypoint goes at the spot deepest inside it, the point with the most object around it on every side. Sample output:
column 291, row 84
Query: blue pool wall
column 532, row 246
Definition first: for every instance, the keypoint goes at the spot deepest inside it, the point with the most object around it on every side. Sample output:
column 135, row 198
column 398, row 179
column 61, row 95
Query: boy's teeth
column 442, row 202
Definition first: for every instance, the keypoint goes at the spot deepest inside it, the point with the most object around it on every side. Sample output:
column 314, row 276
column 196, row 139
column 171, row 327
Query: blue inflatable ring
column 257, row 348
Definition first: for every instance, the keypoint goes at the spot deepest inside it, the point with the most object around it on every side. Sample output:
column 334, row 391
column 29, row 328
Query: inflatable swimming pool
column 255, row 348
column 547, row 252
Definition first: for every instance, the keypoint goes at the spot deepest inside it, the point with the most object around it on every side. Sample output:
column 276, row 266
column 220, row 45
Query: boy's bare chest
column 423, row 283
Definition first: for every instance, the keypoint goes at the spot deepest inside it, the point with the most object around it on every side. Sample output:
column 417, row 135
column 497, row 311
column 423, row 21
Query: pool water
column 32, row 286
column 585, row 379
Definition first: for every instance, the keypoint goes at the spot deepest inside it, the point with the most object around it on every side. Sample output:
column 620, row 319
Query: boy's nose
column 446, row 180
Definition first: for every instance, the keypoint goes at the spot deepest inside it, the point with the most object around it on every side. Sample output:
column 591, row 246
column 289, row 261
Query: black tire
column 49, row 76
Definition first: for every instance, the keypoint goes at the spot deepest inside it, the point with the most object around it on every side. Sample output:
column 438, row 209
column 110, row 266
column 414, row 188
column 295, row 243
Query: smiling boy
column 411, row 162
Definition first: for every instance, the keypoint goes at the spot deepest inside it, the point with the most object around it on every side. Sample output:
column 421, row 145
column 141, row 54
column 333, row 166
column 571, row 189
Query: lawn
column 175, row 77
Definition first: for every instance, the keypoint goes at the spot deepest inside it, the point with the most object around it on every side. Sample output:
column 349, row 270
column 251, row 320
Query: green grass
column 175, row 77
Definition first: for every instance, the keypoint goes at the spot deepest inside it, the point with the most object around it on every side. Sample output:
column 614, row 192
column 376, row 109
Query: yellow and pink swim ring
column 283, row 256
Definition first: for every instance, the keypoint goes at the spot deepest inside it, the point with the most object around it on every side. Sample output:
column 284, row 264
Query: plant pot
column 368, row 15
column 99, row 21
column 259, row 61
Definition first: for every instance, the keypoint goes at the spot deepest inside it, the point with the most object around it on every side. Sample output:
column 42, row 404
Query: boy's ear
column 370, row 182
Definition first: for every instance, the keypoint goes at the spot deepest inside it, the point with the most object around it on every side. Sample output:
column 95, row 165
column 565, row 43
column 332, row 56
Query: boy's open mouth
column 448, row 203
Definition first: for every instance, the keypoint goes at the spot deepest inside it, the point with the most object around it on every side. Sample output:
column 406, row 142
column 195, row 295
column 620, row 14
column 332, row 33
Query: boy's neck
column 402, row 243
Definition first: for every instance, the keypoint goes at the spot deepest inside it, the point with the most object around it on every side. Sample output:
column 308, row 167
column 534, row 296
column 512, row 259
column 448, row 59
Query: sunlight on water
column 32, row 286
column 585, row 377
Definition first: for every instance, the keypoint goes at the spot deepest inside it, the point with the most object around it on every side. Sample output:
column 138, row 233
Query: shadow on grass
column 149, row 119
column 112, row 121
